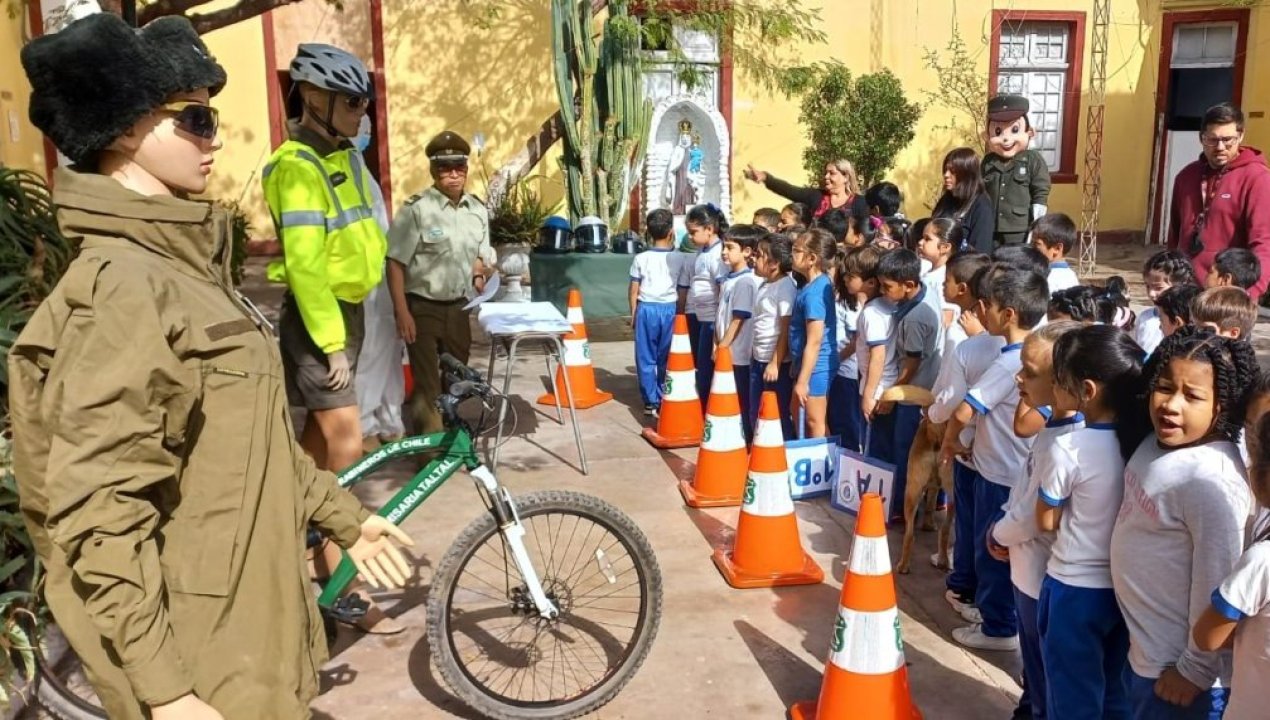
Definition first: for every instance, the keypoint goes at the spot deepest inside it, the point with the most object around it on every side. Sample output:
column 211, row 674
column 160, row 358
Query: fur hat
column 96, row 77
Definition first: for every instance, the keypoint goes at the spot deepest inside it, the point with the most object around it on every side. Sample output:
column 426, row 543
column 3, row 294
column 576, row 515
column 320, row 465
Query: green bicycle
column 543, row 608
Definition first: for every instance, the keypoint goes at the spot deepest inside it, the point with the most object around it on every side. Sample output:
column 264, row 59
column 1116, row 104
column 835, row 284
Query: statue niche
column 686, row 163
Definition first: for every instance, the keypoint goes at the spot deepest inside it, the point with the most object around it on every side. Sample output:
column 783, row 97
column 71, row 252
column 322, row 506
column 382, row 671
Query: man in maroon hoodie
column 1222, row 200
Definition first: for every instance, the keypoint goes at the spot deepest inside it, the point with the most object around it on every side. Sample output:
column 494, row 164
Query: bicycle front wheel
column 500, row 656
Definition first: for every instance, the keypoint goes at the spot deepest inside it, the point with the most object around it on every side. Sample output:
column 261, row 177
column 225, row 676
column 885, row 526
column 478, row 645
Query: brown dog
column 925, row 477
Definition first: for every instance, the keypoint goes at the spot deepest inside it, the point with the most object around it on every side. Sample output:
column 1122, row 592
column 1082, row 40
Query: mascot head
column 1009, row 131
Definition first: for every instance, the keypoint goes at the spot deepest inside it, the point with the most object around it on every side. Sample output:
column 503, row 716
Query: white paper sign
column 812, row 463
column 857, row 476
column 491, row 287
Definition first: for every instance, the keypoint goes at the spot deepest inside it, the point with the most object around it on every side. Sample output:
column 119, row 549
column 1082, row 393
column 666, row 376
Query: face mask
column 361, row 140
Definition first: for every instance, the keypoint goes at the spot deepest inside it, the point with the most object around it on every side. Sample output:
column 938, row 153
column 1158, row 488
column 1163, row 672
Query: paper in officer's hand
column 491, row 287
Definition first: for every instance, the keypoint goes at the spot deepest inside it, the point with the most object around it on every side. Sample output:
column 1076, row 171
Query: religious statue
column 681, row 189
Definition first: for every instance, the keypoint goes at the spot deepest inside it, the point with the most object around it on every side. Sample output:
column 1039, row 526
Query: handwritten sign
column 858, row 475
column 813, row 464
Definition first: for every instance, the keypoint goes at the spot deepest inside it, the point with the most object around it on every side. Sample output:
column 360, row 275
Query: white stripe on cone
column 724, row 383
column 723, row 434
column 574, row 316
column 768, row 433
column 867, row 643
column 767, row 494
column 577, row 353
column 680, row 385
column 680, row 344
column 870, row 556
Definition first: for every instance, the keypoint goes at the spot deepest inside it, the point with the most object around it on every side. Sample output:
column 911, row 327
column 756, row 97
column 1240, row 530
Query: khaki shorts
column 305, row 365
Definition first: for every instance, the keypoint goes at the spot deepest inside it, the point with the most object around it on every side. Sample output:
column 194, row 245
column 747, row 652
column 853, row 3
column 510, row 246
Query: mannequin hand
column 1175, row 689
column 340, row 373
column 186, row 707
column 406, row 327
column 757, row 176
column 378, row 561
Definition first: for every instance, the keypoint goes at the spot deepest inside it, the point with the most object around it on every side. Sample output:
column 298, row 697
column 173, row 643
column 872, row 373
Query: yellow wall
column 21, row 145
column 244, row 120
column 444, row 72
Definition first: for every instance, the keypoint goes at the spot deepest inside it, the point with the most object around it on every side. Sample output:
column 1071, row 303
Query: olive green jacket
column 1014, row 186
column 158, row 470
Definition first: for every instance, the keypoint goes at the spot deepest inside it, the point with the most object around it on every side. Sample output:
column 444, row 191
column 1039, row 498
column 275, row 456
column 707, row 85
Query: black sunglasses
column 195, row 118
column 356, row 102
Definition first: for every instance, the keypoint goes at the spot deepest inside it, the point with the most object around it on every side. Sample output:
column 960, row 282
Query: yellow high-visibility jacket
column 332, row 246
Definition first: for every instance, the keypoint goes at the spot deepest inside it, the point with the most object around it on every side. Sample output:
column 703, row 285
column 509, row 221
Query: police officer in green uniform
column 439, row 251
column 1017, row 178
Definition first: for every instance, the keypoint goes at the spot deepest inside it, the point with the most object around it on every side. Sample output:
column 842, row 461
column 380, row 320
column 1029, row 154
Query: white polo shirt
column 707, row 272
column 1000, row 456
column 661, row 272
column 877, row 327
column 1061, row 276
column 1083, row 473
column 848, row 326
column 1147, row 331
column 773, row 301
column 736, row 300
column 1244, row 596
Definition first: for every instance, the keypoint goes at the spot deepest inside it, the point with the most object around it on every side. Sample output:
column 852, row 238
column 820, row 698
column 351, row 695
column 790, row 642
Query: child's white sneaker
column 972, row 636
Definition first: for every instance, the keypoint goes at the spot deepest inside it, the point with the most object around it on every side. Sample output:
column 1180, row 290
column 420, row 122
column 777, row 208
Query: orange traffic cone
column 679, row 424
column 722, row 460
column 865, row 677
column 577, row 362
column 767, row 551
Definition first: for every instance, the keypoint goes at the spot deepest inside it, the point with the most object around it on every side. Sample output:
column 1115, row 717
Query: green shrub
column 866, row 120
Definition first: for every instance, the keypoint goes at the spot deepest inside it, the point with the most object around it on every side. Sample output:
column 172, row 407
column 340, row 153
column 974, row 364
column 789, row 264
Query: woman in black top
column 965, row 199
column 839, row 188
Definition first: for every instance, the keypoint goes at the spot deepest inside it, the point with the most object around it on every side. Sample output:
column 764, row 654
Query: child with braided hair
column 1181, row 525
column 1163, row 270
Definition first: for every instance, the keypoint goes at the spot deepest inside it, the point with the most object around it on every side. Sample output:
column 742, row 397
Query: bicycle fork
column 514, row 534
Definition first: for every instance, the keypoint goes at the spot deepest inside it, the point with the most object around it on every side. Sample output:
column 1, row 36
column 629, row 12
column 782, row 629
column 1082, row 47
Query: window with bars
column 1034, row 59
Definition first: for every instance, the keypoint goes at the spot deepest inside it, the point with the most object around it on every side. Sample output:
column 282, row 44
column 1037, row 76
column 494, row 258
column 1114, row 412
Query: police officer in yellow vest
column 439, row 251
column 319, row 194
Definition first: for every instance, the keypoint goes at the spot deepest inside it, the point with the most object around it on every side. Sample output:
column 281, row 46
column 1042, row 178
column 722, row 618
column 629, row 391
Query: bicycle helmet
column 331, row 68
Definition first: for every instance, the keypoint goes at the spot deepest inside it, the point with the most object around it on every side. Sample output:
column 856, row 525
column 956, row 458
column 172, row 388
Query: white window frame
column 1213, row 62
column 1033, row 35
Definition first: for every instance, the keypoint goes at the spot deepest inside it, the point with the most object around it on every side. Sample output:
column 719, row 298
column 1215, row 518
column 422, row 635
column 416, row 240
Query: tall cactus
column 602, row 107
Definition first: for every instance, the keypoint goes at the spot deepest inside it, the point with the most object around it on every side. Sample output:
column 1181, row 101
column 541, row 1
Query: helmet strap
column 325, row 122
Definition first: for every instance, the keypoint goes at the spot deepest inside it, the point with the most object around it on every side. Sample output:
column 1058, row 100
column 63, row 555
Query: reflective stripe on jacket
column 333, row 248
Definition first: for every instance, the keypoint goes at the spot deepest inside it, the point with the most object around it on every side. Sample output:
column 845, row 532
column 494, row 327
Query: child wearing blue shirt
column 659, row 286
column 813, row 331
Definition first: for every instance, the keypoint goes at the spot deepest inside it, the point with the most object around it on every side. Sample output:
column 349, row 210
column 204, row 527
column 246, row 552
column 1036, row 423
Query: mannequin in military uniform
column 1017, row 178
column 438, row 252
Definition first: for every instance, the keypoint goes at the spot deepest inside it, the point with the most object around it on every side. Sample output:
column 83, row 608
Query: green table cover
column 603, row 278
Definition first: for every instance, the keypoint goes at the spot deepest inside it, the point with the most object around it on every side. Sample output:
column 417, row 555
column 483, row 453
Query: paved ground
column 720, row 652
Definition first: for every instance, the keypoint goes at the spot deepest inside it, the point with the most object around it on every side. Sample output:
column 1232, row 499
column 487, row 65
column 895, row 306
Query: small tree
column 867, row 120
column 959, row 88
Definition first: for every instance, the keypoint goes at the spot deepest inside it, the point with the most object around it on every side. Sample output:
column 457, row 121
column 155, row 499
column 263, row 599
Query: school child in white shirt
column 1181, row 526
column 1016, row 537
column 968, row 351
column 659, row 288
column 706, row 225
column 875, row 354
column 1161, row 271
column 734, row 326
column 773, row 306
column 1084, row 640
column 917, row 329
column 853, row 290
column 1240, row 606
column 1017, row 300
column 940, row 236
column 1055, row 235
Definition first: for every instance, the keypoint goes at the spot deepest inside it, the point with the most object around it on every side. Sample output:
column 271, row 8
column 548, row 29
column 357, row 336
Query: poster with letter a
column 857, row 476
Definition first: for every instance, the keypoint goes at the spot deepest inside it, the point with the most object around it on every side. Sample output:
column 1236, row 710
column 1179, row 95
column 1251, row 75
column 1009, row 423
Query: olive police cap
column 1007, row 108
column 447, row 146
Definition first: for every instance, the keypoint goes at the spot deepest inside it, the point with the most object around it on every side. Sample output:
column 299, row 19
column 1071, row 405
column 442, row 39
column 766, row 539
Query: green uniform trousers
column 440, row 327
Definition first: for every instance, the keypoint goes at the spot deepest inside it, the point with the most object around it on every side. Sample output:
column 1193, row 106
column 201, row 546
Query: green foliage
column 866, row 120
column 240, row 232
column 959, row 89
column 17, row 658
column 33, row 255
column 757, row 33
column 604, row 113
column 515, row 221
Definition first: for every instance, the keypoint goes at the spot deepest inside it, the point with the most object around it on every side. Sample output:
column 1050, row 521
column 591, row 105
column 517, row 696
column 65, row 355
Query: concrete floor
column 720, row 652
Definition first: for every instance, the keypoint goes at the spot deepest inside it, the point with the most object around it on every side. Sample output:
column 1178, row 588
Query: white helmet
column 331, row 68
